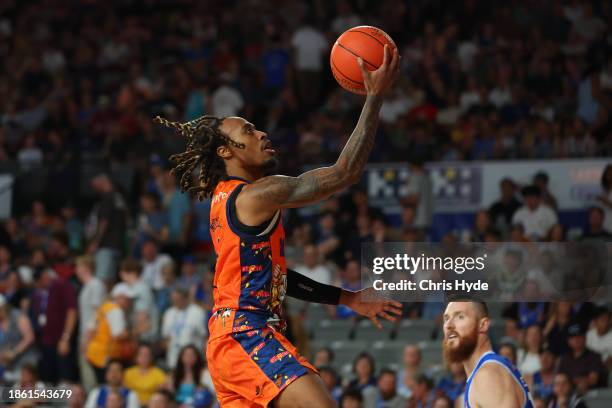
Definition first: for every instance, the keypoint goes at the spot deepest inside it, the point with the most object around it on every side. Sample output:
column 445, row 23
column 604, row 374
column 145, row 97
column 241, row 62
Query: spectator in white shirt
column 310, row 46
column 226, row 100
column 152, row 264
column 312, row 267
column 536, row 218
column 528, row 360
column 599, row 338
column 183, row 324
column 91, row 297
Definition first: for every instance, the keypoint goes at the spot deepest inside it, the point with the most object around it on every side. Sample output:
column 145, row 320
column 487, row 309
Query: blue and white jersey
column 491, row 357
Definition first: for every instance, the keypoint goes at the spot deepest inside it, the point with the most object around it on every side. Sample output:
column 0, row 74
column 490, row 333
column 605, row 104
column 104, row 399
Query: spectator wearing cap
column 152, row 223
column 541, row 179
column 596, row 231
column 385, row 394
column 502, row 210
column 144, row 314
column 111, row 331
column 183, row 324
column 16, row 340
column 113, row 375
column 54, row 314
column 109, row 223
column 599, row 337
column 152, row 264
column 582, row 365
column 542, row 381
column 564, row 395
column 536, row 218
column 91, row 297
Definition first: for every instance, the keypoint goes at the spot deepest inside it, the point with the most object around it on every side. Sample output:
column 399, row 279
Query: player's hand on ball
column 379, row 81
column 365, row 303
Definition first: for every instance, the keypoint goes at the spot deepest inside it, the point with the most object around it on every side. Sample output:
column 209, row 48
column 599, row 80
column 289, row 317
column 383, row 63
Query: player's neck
column 249, row 175
column 481, row 348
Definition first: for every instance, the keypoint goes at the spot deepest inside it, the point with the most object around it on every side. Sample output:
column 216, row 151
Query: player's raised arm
column 273, row 192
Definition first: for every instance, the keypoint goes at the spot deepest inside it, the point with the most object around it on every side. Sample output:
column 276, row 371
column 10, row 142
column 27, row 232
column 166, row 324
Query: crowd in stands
column 105, row 279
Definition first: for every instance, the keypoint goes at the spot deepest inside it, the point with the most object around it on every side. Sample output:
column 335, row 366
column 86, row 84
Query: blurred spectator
column 5, row 267
column 328, row 240
column 163, row 295
column 28, row 379
column 54, row 313
column 74, row 227
column 183, row 324
column 152, row 265
column 596, row 231
column 423, row 394
column 564, row 395
column 187, row 380
column 385, row 395
column 482, row 224
column 16, row 341
column 144, row 319
column 559, row 319
column 226, row 99
column 512, row 275
column 419, row 192
column 111, row 334
column 91, row 297
column 605, row 198
column 540, row 179
column 329, row 376
column 363, row 369
column 309, row 45
column 108, row 225
column 78, row 397
column 312, row 267
column 350, row 279
column 190, row 279
column 453, row 384
column 98, row 397
column 508, row 349
column 528, row 358
column 178, row 208
column 152, row 223
column 161, row 399
column 144, row 378
column 410, row 370
column 442, row 401
column 351, row 398
column 583, row 366
column 599, row 337
column 542, row 382
column 323, row 357
column 536, row 218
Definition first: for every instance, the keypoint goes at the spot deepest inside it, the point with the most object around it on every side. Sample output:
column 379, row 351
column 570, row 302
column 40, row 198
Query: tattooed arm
column 257, row 202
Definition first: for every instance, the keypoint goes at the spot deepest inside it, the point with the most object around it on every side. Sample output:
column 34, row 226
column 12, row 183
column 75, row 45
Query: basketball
column 366, row 42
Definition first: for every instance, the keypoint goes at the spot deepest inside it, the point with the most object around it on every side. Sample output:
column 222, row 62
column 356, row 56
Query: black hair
column 367, row 356
column 605, row 184
column 196, row 370
column 203, row 138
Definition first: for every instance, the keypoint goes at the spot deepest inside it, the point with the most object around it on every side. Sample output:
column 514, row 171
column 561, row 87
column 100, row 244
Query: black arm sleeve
column 304, row 288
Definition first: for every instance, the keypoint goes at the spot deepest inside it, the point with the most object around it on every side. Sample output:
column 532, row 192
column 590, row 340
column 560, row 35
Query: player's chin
column 269, row 165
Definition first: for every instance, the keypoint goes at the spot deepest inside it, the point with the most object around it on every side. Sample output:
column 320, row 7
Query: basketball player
column 251, row 362
column 493, row 382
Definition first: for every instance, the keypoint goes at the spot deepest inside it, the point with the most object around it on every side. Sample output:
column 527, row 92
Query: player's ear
column 484, row 324
column 224, row 152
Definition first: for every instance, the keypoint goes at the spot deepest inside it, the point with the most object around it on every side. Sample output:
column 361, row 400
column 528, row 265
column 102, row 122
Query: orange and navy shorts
column 251, row 368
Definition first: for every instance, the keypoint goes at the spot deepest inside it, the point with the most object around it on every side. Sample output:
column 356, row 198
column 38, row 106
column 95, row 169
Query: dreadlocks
column 203, row 138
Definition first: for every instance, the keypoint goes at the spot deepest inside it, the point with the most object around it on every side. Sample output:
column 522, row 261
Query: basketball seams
column 344, row 47
column 387, row 37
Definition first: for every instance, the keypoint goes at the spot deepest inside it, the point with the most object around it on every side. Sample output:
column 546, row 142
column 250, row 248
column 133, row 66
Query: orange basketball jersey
column 250, row 274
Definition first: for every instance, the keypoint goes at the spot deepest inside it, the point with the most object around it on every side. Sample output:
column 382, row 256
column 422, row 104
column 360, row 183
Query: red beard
column 461, row 352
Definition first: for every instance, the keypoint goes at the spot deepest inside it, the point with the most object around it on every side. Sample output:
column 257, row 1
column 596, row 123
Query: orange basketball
column 366, row 42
